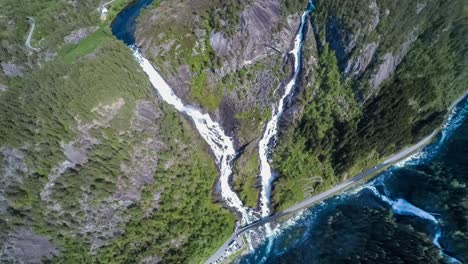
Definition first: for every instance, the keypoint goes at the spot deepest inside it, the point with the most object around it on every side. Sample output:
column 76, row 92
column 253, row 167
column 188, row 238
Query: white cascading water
column 269, row 136
column 221, row 145
column 403, row 207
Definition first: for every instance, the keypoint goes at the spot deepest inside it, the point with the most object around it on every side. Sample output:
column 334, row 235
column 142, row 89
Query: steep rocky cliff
column 360, row 65
column 230, row 58
column 387, row 72
column 96, row 168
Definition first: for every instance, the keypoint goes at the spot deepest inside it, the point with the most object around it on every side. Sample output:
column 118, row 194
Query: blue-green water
column 413, row 213
column 123, row 26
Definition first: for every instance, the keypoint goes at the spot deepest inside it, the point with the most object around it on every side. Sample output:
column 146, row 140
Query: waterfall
column 221, row 145
column 267, row 142
column 403, row 207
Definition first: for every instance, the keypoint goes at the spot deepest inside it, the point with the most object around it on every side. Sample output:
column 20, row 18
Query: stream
column 267, row 142
column 380, row 217
column 411, row 213
column 221, row 145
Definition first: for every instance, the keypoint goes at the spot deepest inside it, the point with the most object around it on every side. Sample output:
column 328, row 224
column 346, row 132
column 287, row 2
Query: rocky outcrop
column 346, row 40
column 13, row 170
column 99, row 221
column 79, row 34
column 76, row 150
column 256, row 37
column 12, row 70
column 250, row 59
column 356, row 66
column 390, row 61
column 24, row 246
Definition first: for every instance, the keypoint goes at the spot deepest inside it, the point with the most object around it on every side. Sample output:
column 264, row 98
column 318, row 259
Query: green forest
column 67, row 100
column 339, row 134
column 91, row 101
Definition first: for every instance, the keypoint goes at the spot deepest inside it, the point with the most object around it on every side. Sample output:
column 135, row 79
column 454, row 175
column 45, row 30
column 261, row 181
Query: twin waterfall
column 222, row 145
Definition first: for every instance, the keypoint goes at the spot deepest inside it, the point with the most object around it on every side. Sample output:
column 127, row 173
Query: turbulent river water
column 415, row 212
column 267, row 141
column 221, row 145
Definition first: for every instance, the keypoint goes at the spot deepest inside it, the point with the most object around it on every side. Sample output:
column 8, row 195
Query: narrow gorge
column 233, row 131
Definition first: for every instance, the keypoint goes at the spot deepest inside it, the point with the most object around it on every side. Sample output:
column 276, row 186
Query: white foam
column 269, row 136
column 221, row 145
column 403, row 207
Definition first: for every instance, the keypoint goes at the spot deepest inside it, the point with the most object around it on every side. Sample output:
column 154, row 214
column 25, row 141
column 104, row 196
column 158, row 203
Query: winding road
column 31, row 31
column 237, row 236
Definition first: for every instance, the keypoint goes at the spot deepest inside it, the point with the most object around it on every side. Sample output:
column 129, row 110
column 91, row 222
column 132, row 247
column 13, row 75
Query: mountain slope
column 402, row 87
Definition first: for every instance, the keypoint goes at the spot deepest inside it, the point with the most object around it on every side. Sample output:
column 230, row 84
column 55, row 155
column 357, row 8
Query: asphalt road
column 338, row 188
column 320, row 197
column 31, row 30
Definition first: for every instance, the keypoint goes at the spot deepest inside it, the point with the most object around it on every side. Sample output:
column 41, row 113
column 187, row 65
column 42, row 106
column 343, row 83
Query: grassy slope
column 40, row 109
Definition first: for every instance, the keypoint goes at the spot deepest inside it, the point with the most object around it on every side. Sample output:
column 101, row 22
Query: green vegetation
column 45, row 109
column 204, row 93
column 245, row 179
column 187, row 226
column 71, row 52
column 293, row 6
column 224, row 16
column 304, row 155
column 44, row 105
column 186, row 41
column 42, row 109
column 336, row 138
column 50, row 27
column 41, row 113
column 255, row 115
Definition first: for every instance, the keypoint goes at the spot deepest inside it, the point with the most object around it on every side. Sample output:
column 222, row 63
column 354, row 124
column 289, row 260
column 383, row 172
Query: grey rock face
column 358, row 65
column 146, row 113
column 75, row 155
column 391, row 61
column 420, row 7
column 24, row 246
column 78, row 35
column 375, row 13
column 49, row 55
column 353, row 55
column 75, row 150
column 103, row 221
column 262, row 36
column 257, row 22
column 12, row 70
column 13, row 169
column 219, row 43
column 13, row 164
column 99, row 221
column 3, row 88
column 253, row 40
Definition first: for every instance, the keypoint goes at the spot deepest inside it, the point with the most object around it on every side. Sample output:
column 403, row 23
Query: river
column 267, row 142
column 415, row 212
column 222, row 146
